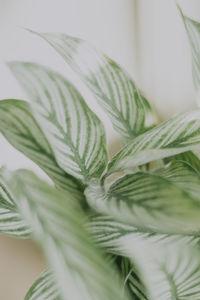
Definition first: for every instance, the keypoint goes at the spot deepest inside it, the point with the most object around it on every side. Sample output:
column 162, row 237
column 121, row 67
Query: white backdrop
column 146, row 36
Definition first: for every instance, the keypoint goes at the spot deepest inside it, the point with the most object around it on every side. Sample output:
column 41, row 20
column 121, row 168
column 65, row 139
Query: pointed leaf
column 43, row 288
column 179, row 134
column 22, row 131
column 80, row 270
column 193, row 32
column 74, row 132
column 167, row 200
column 130, row 113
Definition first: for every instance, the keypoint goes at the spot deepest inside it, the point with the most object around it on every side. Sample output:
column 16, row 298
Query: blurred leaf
column 189, row 157
column 179, row 134
column 44, row 288
column 168, row 265
column 193, row 33
column 130, row 113
column 22, row 131
column 131, row 279
column 169, row 270
column 11, row 220
column 167, row 200
column 74, row 132
column 80, row 270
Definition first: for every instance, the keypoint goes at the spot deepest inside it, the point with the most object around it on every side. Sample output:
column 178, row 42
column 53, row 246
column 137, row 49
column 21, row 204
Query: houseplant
column 127, row 228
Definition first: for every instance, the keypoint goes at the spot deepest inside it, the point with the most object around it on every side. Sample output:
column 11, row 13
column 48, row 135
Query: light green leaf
column 74, row 132
column 169, row 265
column 109, row 234
column 80, row 270
column 192, row 158
column 179, row 134
column 130, row 113
column 11, row 220
column 165, row 201
column 193, row 32
column 169, row 270
column 44, row 288
column 22, row 131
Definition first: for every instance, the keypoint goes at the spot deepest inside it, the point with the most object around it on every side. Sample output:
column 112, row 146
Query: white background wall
column 145, row 36
column 163, row 56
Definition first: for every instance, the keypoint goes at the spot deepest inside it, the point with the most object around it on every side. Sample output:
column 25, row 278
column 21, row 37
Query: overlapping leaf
column 43, row 288
column 131, row 279
column 130, row 113
column 192, row 158
column 80, row 270
column 11, row 220
column 179, row 134
column 74, row 132
column 22, row 131
column 193, row 32
column 169, row 270
column 165, row 201
column 168, row 265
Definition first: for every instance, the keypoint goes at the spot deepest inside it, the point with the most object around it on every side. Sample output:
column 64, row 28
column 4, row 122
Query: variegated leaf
column 130, row 113
column 179, row 134
column 131, row 279
column 167, row 200
column 193, row 32
column 44, row 288
column 192, row 158
column 11, row 220
column 80, row 269
column 167, row 264
column 74, row 132
column 169, row 270
column 22, row 131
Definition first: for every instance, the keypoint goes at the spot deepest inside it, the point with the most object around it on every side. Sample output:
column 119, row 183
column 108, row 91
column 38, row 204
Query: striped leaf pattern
column 22, row 131
column 130, row 113
column 191, row 158
column 11, row 221
column 167, row 200
column 74, row 132
column 131, row 279
column 109, row 234
column 167, row 264
column 193, row 33
column 44, row 288
column 80, row 270
column 169, row 270
column 179, row 134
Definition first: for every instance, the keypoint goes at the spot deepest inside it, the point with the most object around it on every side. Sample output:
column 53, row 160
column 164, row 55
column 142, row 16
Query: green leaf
column 43, row 288
column 131, row 279
column 179, row 134
column 169, row 270
column 169, row 265
column 130, row 113
column 11, row 220
column 22, row 131
column 193, row 33
column 167, row 200
column 188, row 157
column 74, row 132
column 80, row 270
column 110, row 233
